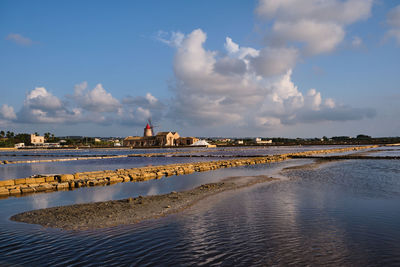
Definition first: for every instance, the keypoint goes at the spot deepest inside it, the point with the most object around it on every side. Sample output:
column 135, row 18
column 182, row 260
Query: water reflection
column 342, row 213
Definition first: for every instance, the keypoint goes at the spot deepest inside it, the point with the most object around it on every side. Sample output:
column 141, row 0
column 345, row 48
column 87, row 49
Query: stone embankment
column 45, row 183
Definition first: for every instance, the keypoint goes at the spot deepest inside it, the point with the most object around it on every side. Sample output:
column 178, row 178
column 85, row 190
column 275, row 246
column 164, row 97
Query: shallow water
column 12, row 171
column 22, row 170
column 343, row 213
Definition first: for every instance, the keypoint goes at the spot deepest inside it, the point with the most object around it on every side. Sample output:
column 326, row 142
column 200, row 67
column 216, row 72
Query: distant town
column 9, row 139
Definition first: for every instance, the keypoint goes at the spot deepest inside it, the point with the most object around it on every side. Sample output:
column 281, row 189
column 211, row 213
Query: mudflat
column 132, row 210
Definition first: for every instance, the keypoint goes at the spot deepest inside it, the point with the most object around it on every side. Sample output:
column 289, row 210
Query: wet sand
column 132, row 210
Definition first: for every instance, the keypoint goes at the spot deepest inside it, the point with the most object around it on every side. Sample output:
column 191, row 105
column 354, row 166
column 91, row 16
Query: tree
column 9, row 134
column 23, row 138
column 2, row 133
column 363, row 136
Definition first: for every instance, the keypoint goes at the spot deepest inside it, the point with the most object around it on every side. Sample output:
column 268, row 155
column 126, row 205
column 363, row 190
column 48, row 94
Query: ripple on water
column 341, row 213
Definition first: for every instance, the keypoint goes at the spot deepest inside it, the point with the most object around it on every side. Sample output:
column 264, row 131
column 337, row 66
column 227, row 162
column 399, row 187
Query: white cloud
column 80, row 88
column 228, row 65
column 330, row 103
column 242, row 88
column 318, row 37
column 39, row 98
column 96, row 100
column 313, row 99
column 274, row 61
column 393, row 20
column 95, row 106
column 41, row 106
column 19, row 39
column 7, row 112
column 240, row 52
column 337, row 11
column 173, row 39
column 152, row 99
column 318, row 25
column 230, row 46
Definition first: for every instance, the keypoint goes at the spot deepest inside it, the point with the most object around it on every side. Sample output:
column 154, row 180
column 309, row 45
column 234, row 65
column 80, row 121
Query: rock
column 7, row 183
column 4, row 192
column 15, row 191
column 30, row 180
column 26, row 190
column 62, row 186
column 64, row 177
column 40, row 180
column 44, row 187
column 49, row 179
column 20, row 181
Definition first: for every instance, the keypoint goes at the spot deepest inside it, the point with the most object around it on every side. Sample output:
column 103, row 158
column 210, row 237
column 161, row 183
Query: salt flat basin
column 339, row 213
column 12, row 171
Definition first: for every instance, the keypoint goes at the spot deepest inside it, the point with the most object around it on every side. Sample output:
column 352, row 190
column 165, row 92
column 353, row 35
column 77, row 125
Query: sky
column 233, row 68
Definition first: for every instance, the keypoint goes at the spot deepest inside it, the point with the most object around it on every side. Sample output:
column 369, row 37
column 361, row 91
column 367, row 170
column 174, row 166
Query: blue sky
column 204, row 68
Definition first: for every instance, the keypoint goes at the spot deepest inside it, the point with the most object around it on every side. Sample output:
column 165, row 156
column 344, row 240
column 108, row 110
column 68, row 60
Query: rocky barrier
column 46, row 183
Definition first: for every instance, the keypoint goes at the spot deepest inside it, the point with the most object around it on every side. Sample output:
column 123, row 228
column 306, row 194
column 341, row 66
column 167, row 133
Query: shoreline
column 128, row 211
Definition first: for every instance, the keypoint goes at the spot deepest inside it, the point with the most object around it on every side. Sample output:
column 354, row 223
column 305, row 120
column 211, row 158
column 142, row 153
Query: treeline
column 361, row 139
column 10, row 139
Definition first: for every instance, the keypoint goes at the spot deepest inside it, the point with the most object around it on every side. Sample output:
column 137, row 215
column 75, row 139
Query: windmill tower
column 148, row 130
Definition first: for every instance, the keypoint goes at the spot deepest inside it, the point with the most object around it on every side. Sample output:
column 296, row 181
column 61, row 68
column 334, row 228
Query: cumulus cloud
column 318, row 25
column 19, row 39
column 97, row 99
column 39, row 98
column 7, row 112
column 83, row 106
column 318, row 37
column 245, row 87
column 41, row 106
column 274, row 61
column 393, row 20
column 137, row 110
column 227, row 66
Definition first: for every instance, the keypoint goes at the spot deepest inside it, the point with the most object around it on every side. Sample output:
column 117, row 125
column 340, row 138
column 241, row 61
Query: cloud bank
column 83, row 106
column 318, row 26
column 244, row 86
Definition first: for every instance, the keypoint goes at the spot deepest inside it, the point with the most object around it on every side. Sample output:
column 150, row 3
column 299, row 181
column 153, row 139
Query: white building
column 19, row 145
column 37, row 140
column 259, row 141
